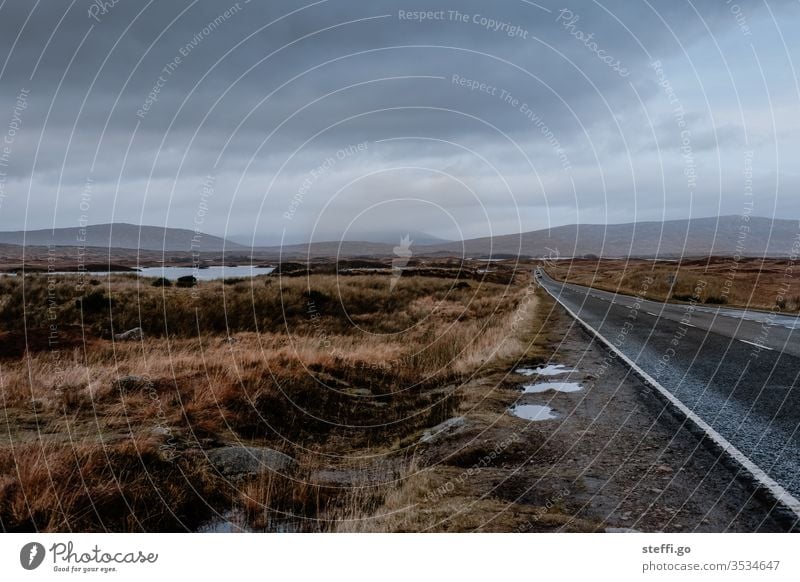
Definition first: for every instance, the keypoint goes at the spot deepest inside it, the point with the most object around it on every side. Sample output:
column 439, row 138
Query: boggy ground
column 332, row 403
column 614, row 460
column 262, row 400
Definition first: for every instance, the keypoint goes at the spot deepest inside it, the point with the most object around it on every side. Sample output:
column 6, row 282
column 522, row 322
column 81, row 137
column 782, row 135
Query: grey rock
column 242, row 461
column 447, row 428
column 161, row 431
column 334, row 477
column 135, row 334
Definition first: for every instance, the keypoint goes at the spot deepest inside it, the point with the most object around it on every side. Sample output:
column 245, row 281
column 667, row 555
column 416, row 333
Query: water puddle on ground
column 549, row 370
column 555, row 386
column 533, row 412
column 228, row 522
column 235, row 521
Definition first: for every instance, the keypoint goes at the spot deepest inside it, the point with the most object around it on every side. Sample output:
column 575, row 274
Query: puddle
column 228, row 522
column 235, row 521
column 549, row 370
column 533, row 412
column 555, row 386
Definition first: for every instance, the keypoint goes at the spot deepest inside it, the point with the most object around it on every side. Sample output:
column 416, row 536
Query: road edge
column 751, row 472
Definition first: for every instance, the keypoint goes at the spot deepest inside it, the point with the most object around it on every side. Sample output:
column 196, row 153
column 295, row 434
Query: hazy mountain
column 724, row 235
column 391, row 237
column 122, row 236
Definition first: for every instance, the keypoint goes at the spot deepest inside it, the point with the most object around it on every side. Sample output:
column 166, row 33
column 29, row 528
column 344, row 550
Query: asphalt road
column 738, row 371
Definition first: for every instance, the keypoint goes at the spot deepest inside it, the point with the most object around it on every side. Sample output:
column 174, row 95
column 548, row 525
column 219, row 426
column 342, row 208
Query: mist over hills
column 723, row 236
column 393, row 237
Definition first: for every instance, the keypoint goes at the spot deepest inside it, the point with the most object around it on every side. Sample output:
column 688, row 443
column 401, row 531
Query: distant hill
column 722, row 236
column 121, row 236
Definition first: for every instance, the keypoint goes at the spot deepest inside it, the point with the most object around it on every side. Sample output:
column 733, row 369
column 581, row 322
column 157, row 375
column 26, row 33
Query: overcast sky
column 277, row 118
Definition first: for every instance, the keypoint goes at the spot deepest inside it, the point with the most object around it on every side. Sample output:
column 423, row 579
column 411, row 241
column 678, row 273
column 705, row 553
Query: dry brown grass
column 263, row 304
column 337, row 367
column 753, row 283
column 411, row 503
column 91, row 487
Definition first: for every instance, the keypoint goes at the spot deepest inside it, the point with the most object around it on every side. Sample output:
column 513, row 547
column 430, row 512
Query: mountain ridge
column 121, row 235
column 728, row 235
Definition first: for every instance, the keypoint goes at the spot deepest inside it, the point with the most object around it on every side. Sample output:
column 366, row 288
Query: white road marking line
column 653, row 314
column 762, row 346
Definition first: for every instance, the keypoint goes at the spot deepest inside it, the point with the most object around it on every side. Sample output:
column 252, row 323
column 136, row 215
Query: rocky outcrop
column 135, row 334
column 241, row 461
column 445, row 429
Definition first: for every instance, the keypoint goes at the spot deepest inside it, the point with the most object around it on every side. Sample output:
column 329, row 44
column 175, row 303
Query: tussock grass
column 264, row 304
column 321, row 367
column 90, row 487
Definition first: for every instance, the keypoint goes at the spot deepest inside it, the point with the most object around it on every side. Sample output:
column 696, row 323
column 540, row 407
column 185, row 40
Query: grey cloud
column 212, row 103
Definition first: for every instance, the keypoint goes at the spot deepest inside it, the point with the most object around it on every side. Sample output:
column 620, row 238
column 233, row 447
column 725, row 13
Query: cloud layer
column 453, row 118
